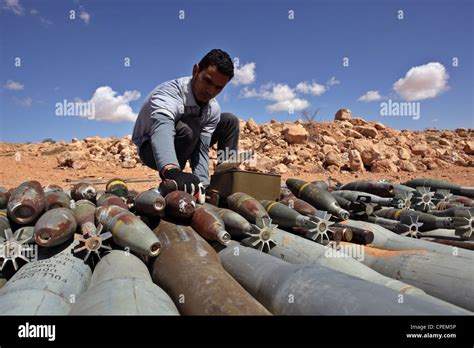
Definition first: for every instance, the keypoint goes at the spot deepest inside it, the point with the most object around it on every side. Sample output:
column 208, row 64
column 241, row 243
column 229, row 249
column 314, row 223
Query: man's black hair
column 221, row 60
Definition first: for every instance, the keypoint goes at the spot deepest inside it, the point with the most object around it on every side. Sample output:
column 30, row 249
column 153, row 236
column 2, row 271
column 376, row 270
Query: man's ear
column 195, row 70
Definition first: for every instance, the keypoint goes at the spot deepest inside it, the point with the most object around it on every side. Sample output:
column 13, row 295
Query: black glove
column 176, row 179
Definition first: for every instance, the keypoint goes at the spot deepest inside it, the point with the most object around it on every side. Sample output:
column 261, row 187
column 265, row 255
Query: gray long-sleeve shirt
column 162, row 109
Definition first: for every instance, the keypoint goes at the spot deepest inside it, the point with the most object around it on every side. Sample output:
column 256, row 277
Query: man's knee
column 184, row 132
column 230, row 121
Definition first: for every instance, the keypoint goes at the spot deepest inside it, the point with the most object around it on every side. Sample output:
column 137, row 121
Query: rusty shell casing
column 189, row 270
column 335, row 235
column 52, row 188
column 4, row 222
column 180, row 205
column 234, row 223
column 466, row 201
column 83, row 190
column 150, row 203
column 111, row 199
column 84, row 212
column 382, row 189
column 55, row 227
column 346, row 233
column 317, row 197
column 57, row 199
column 121, row 285
column 128, row 230
column 209, row 225
column 4, row 197
column 285, row 192
column 118, row 187
column 47, row 286
column 247, row 206
column 359, row 235
column 302, row 207
column 26, row 203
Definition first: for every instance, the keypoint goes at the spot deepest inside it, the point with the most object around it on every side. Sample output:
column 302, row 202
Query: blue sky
column 284, row 64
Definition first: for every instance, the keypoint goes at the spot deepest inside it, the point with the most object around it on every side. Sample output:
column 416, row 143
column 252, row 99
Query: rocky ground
column 344, row 150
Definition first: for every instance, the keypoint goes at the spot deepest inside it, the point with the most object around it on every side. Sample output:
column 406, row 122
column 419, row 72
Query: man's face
column 207, row 83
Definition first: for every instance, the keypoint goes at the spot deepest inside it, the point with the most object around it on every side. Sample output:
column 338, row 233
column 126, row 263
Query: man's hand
column 175, row 179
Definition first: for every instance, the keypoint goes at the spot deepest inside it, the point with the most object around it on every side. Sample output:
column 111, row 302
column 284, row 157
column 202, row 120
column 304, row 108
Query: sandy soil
column 45, row 170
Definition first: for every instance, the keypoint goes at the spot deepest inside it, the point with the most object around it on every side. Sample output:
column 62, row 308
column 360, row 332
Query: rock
column 267, row 148
column 345, row 124
column 460, row 130
column 419, row 149
column 252, row 126
column 290, row 159
column 404, row 154
column 469, row 148
column 72, row 159
column 281, row 168
column 357, row 121
column 129, row 163
column 268, row 131
column 342, row 114
column 74, row 140
column 353, row 133
column 327, row 148
column 274, row 121
column 264, row 163
column 384, row 166
column 355, row 161
column 407, row 166
column 445, row 142
column 368, row 131
column 329, row 140
column 92, row 139
column 379, row 126
column 295, row 134
column 332, row 158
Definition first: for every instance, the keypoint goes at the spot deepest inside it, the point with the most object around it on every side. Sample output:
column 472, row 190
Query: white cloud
column 423, row 82
column 282, row 95
column 14, row 6
column 313, row 88
column 370, row 96
column 33, row 11
column 296, row 104
column 332, row 81
column 45, row 22
column 270, row 91
column 84, row 15
column 13, row 86
column 25, row 102
column 112, row 107
column 244, row 75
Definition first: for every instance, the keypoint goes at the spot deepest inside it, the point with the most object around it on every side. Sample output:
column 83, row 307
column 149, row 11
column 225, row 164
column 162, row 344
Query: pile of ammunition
column 363, row 248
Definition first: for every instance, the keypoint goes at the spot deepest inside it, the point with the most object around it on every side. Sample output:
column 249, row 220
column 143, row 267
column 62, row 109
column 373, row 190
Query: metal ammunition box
column 258, row 185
